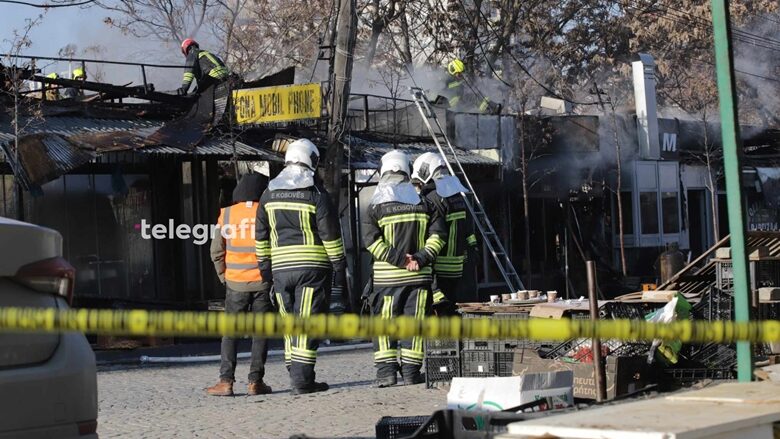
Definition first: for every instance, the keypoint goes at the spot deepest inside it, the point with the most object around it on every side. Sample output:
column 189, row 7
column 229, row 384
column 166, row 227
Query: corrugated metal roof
column 221, row 147
column 367, row 154
column 67, row 126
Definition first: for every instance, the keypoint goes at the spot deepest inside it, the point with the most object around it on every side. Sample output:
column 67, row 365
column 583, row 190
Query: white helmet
column 395, row 161
column 302, row 152
column 426, row 165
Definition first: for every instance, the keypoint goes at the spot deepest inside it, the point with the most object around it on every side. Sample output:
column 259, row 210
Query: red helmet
column 185, row 45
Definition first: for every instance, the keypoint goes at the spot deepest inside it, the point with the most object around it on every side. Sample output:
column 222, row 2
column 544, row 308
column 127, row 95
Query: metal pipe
column 595, row 347
column 83, row 60
column 732, row 159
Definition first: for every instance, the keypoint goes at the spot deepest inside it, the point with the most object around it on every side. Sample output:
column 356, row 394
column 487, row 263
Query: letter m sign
column 670, row 142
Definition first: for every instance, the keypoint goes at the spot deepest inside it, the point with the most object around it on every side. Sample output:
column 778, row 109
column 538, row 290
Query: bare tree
column 171, row 20
column 15, row 75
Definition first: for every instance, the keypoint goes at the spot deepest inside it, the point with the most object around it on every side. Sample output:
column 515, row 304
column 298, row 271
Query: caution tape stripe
column 216, row 324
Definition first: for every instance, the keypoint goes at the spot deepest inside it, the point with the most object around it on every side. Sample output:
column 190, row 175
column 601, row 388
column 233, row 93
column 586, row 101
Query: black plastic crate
column 688, row 376
column 440, row 370
column 504, row 363
column 477, row 364
column 442, row 348
column 402, row 426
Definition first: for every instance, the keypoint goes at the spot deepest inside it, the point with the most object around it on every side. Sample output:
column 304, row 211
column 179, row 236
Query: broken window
column 648, row 208
column 670, row 212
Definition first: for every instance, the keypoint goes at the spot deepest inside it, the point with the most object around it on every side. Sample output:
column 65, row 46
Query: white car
column 48, row 382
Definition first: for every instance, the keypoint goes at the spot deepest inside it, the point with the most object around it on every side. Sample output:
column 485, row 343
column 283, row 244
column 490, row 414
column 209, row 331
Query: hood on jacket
column 250, row 187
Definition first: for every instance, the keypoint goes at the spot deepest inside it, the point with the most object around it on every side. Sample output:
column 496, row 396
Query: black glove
column 181, row 91
column 265, row 272
column 339, row 278
column 272, row 297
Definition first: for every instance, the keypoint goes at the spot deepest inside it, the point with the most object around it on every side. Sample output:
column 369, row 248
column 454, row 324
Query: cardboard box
column 624, row 374
column 501, row 393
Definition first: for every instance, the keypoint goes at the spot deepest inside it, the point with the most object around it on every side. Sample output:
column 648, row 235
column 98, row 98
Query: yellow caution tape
column 214, row 324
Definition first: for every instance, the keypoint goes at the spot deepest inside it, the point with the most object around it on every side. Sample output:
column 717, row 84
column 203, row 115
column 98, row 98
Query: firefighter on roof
column 202, row 66
column 451, row 285
column 404, row 233
column 298, row 242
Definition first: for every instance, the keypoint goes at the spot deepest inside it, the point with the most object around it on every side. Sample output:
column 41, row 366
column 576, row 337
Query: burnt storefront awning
column 366, row 154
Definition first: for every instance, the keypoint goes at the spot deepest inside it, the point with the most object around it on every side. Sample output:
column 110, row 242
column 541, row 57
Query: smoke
column 761, row 67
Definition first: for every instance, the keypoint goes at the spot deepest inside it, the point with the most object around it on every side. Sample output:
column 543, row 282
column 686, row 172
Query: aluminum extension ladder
column 475, row 207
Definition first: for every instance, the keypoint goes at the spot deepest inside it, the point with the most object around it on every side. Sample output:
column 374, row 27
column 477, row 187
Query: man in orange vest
column 233, row 254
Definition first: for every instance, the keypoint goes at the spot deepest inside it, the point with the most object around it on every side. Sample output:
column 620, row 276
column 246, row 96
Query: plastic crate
column 504, row 363
column 477, row 364
column 504, row 345
column 402, row 426
column 441, row 370
column 687, row 376
column 442, row 348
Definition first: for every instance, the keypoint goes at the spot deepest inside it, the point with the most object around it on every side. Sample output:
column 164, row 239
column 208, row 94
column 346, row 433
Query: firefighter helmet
column 395, row 161
column 302, row 152
column 79, row 73
column 186, row 44
column 456, row 67
column 426, row 165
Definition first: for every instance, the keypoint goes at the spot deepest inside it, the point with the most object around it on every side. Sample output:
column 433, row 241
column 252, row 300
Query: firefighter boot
column 222, row 388
column 411, row 374
column 386, row 374
column 315, row 387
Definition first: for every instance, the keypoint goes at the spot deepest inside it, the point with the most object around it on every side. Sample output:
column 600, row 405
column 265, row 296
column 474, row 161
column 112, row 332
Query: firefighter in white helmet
column 298, row 244
column 452, row 282
column 404, row 233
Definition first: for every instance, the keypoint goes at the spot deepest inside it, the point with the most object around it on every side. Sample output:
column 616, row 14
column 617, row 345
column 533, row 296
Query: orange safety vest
column 240, row 259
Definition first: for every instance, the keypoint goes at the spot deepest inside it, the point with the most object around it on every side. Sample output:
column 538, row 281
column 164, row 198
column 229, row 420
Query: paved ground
column 169, row 401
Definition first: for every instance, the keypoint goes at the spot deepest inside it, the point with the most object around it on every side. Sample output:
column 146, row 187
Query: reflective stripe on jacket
column 237, row 224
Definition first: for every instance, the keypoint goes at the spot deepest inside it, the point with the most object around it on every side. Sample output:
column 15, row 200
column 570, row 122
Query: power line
column 687, row 19
column 520, row 64
column 48, row 5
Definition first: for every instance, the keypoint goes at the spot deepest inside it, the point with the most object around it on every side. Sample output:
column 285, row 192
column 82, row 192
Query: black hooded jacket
column 250, row 188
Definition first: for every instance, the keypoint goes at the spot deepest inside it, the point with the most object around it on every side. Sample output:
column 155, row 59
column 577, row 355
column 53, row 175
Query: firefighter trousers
column 302, row 292
column 394, row 301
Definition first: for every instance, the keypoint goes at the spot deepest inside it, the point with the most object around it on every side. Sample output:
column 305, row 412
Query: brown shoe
column 222, row 388
column 258, row 388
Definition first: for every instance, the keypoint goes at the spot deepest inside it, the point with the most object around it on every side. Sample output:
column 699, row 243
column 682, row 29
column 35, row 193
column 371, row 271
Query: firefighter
column 52, row 90
column 404, row 232
column 462, row 95
column 298, row 241
column 203, row 66
column 451, row 285
column 78, row 74
column 233, row 254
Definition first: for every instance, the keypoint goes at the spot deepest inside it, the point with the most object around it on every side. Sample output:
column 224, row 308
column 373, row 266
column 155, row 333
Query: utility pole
column 346, row 28
column 732, row 155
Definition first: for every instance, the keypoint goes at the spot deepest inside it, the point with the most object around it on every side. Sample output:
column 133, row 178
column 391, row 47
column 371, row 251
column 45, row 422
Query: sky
column 84, row 27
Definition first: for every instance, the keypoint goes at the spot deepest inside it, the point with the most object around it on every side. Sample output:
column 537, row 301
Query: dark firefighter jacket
column 203, row 66
column 393, row 230
column 298, row 230
column 460, row 232
column 248, row 189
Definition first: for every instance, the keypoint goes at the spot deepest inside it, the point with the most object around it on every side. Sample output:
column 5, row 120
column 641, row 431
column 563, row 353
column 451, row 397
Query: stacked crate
column 442, row 361
column 488, row 358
